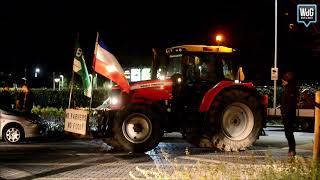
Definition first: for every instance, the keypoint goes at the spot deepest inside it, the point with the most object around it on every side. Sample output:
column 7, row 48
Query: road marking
column 8, row 173
column 64, row 153
column 229, row 164
column 201, row 159
column 93, row 164
column 48, row 145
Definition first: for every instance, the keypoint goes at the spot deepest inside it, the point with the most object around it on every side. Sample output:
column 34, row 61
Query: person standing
column 25, row 100
column 288, row 109
column 5, row 98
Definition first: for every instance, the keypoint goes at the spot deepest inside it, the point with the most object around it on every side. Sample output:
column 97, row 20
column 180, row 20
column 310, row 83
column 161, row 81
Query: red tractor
column 199, row 93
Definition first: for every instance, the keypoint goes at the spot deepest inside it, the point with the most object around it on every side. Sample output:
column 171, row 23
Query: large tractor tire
column 235, row 121
column 137, row 128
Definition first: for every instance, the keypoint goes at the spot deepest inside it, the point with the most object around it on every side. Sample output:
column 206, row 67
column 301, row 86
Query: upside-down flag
column 107, row 65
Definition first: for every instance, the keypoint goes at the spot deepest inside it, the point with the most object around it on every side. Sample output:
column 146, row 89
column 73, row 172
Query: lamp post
column 37, row 71
column 275, row 53
column 62, row 82
column 57, row 80
column 53, row 81
column 219, row 39
column 95, row 81
column 25, row 75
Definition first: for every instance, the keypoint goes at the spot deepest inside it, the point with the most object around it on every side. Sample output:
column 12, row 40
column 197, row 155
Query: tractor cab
column 197, row 68
column 201, row 63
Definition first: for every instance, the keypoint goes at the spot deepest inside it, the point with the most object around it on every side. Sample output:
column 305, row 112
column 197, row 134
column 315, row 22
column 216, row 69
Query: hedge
column 60, row 98
column 268, row 90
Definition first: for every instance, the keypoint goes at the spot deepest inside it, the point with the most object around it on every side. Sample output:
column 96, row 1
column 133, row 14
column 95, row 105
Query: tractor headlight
column 110, row 103
column 179, row 80
column 114, row 101
column 162, row 77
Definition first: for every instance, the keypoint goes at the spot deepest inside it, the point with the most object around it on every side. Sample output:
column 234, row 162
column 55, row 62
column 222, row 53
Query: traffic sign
column 274, row 73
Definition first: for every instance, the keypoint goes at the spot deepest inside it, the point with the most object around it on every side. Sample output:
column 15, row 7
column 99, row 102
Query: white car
column 16, row 126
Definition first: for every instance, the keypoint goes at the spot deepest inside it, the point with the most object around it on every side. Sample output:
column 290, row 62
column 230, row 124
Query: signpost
column 274, row 74
column 275, row 54
column 316, row 144
column 76, row 121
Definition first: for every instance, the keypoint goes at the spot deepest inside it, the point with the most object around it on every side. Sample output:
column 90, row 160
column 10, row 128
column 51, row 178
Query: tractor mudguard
column 213, row 92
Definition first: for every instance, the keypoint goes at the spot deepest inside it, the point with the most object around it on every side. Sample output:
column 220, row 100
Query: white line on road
column 91, row 164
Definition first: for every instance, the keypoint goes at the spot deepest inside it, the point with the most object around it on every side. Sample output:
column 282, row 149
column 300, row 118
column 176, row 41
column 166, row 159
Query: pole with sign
column 275, row 57
column 274, row 74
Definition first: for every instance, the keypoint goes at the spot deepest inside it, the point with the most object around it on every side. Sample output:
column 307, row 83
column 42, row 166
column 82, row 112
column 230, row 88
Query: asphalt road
column 92, row 159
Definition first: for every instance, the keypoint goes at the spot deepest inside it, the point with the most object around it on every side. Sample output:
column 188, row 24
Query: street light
column 62, row 77
column 57, row 80
column 219, row 39
column 37, row 71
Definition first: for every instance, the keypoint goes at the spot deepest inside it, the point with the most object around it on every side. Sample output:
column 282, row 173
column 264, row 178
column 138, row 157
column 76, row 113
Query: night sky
column 43, row 34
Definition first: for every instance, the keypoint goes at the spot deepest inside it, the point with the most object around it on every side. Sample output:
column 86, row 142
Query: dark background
column 43, row 34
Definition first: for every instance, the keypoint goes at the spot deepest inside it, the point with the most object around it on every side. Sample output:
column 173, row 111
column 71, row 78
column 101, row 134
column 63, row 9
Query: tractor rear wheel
column 137, row 128
column 235, row 121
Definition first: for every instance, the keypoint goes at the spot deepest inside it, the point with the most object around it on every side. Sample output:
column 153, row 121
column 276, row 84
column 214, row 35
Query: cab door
column 200, row 72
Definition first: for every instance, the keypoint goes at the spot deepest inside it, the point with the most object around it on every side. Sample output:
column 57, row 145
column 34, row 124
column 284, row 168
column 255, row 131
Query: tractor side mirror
column 240, row 75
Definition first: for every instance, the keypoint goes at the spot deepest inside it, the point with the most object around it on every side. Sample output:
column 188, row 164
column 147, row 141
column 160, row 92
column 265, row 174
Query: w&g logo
column 307, row 14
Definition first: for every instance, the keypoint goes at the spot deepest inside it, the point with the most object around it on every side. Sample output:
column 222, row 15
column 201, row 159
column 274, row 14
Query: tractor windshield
column 174, row 66
column 203, row 66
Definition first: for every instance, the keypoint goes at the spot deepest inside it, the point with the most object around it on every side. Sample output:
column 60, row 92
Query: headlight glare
column 114, row 101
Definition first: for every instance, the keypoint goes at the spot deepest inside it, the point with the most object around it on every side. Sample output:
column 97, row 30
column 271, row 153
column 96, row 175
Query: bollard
column 316, row 127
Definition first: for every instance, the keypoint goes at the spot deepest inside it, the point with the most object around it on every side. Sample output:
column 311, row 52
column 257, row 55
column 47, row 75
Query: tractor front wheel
column 137, row 128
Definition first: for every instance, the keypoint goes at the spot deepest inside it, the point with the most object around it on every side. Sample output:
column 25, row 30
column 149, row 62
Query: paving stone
column 85, row 160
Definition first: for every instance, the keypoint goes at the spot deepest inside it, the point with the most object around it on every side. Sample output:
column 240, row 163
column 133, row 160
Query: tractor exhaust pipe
column 155, row 64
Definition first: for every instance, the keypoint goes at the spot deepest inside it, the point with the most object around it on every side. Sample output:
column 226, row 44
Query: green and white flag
column 79, row 66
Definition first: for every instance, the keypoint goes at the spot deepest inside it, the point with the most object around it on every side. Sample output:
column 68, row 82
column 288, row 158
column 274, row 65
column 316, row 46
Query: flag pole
column 71, row 88
column 72, row 80
column 94, row 73
column 91, row 82
column 95, row 51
